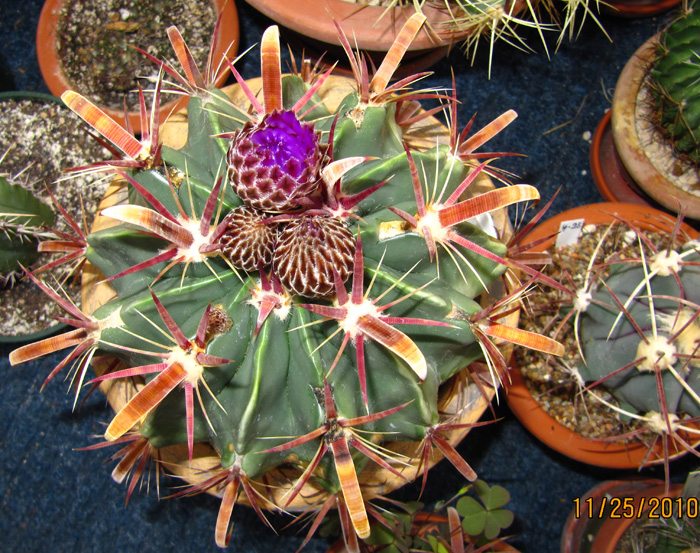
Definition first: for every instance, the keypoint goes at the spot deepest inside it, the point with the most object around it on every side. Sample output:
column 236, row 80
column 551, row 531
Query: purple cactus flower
column 275, row 162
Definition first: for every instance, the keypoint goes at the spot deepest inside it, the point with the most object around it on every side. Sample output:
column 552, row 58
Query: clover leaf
column 486, row 516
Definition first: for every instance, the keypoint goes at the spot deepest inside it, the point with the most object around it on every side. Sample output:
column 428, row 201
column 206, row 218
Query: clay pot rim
column 57, row 81
column 609, row 174
column 563, row 440
column 542, row 425
column 612, row 530
column 365, row 25
column 629, row 145
column 624, row 9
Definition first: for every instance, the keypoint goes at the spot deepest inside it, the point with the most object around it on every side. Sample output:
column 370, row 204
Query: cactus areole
column 276, row 302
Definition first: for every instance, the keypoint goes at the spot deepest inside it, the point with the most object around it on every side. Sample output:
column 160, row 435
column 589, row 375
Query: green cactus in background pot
column 645, row 318
column 291, row 287
column 23, row 220
column 637, row 320
column 674, row 82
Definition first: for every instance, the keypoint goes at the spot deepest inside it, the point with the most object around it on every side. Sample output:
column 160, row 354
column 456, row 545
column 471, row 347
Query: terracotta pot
column 58, row 82
column 630, row 145
column 609, row 173
column 546, row 428
column 372, row 28
column 586, row 532
column 638, row 8
column 564, row 440
column 457, row 395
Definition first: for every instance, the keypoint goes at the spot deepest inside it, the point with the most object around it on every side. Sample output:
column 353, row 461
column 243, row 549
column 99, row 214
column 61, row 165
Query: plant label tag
column 569, row 232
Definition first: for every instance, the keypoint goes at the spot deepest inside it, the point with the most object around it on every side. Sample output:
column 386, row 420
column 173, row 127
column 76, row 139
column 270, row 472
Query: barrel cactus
column 24, row 220
column 291, row 285
column 674, row 83
column 639, row 334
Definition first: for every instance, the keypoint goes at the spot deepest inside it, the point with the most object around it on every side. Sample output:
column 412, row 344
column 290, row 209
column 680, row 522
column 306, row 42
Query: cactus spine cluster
column 291, row 286
column 674, row 82
column 472, row 20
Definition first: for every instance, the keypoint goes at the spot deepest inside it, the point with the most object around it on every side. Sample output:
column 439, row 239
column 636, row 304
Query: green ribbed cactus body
column 675, row 85
column 22, row 216
column 611, row 342
column 271, row 388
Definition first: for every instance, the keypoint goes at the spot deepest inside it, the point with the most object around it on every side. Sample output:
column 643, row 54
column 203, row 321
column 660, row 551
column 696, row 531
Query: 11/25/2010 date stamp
column 628, row 507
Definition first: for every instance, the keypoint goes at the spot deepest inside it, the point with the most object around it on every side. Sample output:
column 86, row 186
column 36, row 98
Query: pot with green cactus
column 31, row 241
column 374, row 25
column 673, row 526
column 284, row 287
column 625, row 305
column 39, row 136
column 655, row 119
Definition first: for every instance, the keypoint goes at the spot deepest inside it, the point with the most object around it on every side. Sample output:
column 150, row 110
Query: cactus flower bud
column 308, row 251
column 276, row 161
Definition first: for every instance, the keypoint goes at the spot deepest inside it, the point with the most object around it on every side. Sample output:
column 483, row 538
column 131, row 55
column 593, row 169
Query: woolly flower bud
column 275, row 162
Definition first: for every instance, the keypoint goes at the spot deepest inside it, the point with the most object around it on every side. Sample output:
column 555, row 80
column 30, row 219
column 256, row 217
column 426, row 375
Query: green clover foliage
column 485, row 517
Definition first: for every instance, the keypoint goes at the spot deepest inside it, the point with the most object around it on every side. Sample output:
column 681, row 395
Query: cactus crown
column 292, row 285
column 639, row 338
column 638, row 334
column 674, row 82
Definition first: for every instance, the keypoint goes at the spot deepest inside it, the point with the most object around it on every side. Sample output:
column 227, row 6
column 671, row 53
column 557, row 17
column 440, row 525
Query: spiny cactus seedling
column 674, row 82
column 664, row 535
column 24, row 220
column 293, row 285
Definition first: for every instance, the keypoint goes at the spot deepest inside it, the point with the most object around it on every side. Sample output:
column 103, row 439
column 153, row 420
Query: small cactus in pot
column 655, row 119
column 285, row 299
column 627, row 309
column 639, row 335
